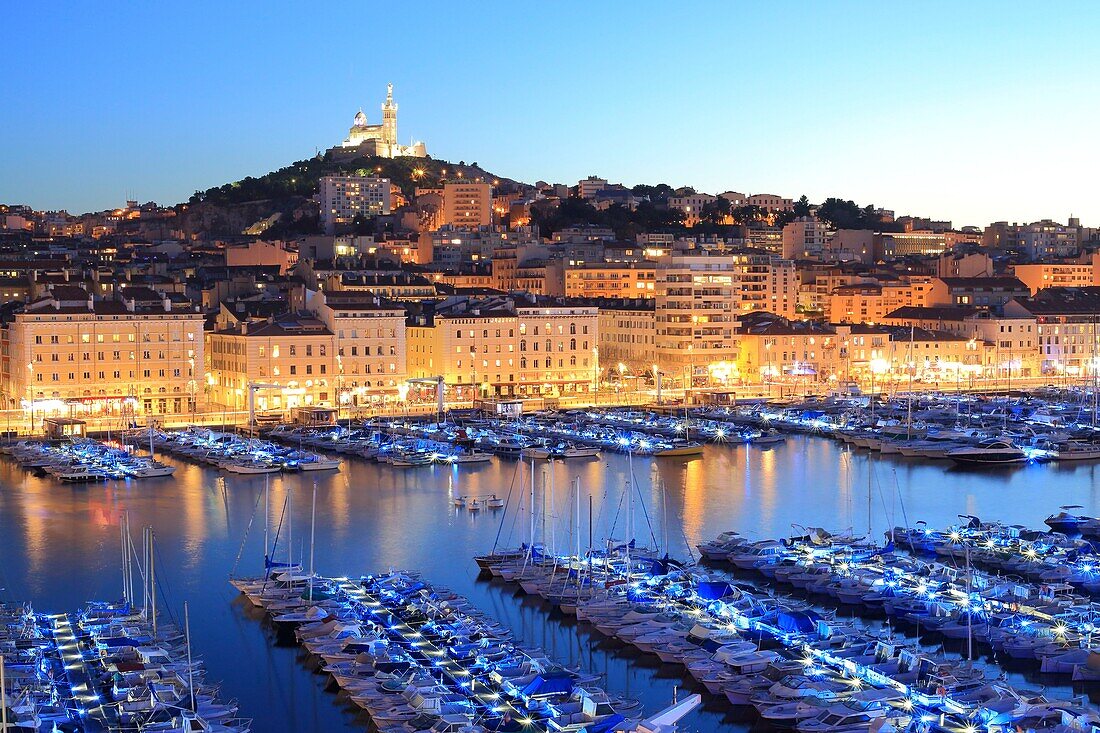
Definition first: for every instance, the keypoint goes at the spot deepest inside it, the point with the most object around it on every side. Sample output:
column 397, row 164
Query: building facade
column 71, row 354
column 343, row 198
column 695, row 314
column 467, row 204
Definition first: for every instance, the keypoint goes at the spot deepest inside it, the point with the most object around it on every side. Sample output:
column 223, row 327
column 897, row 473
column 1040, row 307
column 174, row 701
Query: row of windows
column 101, row 355
column 116, row 374
column 86, row 338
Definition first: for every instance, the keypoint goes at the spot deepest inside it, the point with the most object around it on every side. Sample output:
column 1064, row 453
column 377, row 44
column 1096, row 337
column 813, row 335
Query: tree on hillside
column 715, row 212
column 748, row 214
column 802, row 206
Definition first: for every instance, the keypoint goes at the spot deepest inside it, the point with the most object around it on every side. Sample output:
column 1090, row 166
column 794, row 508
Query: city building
column 343, row 198
column 984, row 292
column 1040, row 275
column 691, row 205
column 695, row 315
column 365, row 139
column 370, row 363
column 805, row 238
column 73, row 354
column 775, row 349
column 589, row 187
column 467, row 204
column 628, row 334
column 1067, row 328
column 905, row 244
column 601, row 279
column 764, row 282
column 505, row 346
column 288, row 361
column 770, row 202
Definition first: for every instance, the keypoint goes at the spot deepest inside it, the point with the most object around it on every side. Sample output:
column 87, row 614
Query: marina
column 418, row 657
column 377, row 510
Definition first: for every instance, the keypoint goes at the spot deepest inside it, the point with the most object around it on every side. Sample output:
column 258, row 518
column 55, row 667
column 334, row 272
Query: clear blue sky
column 973, row 111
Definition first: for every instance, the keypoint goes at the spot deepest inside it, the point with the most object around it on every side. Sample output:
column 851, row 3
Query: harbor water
column 59, row 543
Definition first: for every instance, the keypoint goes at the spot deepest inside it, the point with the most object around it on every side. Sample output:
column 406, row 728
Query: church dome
column 360, row 119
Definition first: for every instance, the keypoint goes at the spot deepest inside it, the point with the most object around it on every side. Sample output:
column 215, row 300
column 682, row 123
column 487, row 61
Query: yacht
column 991, row 452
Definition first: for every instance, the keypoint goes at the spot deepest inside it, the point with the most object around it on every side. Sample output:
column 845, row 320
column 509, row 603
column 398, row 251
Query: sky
column 968, row 111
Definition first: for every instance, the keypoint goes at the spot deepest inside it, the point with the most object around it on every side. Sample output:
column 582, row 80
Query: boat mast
column 912, row 368
column 531, row 519
column 969, row 610
column 870, row 468
column 629, row 506
column 3, row 697
column 267, row 516
column 312, row 535
column 577, row 503
column 125, row 555
column 190, row 668
column 153, row 579
column 1094, row 365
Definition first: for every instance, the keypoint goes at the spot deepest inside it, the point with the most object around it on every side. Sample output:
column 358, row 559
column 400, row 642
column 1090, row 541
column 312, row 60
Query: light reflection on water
column 59, row 543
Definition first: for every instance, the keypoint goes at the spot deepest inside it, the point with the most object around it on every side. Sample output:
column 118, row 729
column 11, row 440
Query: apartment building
column 695, row 313
column 505, row 346
column 467, row 204
column 1039, row 275
column 292, row 359
column 343, row 198
column 370, row 363
column 628, row 334
column 138, row 352
column 601, row 279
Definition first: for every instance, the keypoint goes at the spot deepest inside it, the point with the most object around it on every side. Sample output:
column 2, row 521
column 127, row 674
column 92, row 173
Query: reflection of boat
column 991, row 452
column 495, row 502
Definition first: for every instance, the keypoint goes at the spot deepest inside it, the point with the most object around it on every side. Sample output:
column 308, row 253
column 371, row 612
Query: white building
column 342, row 198
column 588, row 188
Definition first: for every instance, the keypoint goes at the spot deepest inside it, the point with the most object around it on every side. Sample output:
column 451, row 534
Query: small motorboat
column 494, row 502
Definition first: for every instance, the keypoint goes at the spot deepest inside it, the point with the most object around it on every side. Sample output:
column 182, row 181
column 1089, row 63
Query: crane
column 438, row 382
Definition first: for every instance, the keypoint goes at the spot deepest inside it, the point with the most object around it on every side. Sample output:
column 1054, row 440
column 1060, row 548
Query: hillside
column 226, row 210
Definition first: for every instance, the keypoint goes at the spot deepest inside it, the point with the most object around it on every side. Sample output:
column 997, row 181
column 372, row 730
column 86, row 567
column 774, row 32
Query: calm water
column 59, row 544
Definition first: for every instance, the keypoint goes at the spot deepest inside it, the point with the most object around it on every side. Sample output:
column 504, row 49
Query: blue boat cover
column 550, row 683
column 800, row 621
column 117, row 641
column 606, row 724
column 713, row 590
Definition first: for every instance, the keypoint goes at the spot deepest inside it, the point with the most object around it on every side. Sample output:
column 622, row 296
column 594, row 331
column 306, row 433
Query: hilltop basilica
column 379, row 140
